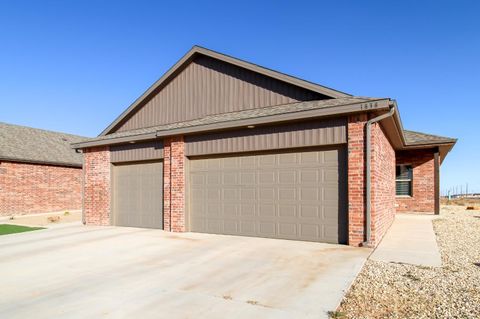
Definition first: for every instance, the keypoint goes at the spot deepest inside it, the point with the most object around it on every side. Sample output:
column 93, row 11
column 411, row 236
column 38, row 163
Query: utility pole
column 467, row 189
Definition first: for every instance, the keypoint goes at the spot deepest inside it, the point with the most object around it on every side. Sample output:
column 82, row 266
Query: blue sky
column 73, row 66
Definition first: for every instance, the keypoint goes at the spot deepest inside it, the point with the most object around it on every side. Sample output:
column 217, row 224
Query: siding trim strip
column 293, row 135
column 137, row 152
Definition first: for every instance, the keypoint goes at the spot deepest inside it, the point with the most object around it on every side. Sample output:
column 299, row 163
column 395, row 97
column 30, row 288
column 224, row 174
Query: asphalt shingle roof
column 26, row 144
column 418, row 138
column 242, row 115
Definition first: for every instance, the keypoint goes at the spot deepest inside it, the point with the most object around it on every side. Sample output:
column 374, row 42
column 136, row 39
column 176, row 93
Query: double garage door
column 291, row 195
column 297, row 195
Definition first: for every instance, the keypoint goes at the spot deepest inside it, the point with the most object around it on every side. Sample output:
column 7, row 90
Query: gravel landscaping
column 387, row 290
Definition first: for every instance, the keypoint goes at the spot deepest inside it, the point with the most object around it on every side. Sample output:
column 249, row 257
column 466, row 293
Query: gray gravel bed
column 387, row 290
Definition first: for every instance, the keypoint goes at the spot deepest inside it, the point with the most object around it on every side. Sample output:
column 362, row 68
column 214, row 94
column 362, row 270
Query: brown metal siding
column 136, row 152
column 208, row 86
column 313, row 133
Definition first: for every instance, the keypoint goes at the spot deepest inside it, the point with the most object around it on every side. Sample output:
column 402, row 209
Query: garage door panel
column 230, row 178
column 267, row 210
column 247, row 227
column 330, row 157
column 311, row 231
column 267, row 229
column 310, row 211
column 267, row 161
column 247, row 210
column 230, row 210
column 247, row 178
column 230, row 226
column 287, row 230
column 288, row 176
column 287, row 211
column 285, row 195
column 138, row 195
column 230, row 194
column 267, row 177
column 247, row 194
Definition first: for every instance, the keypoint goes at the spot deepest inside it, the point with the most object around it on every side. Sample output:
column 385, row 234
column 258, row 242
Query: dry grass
column 461, row 201
column 388, row 290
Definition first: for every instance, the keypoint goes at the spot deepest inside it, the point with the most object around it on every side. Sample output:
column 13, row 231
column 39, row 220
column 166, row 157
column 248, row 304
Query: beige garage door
column 138, row 195
column 290, row 195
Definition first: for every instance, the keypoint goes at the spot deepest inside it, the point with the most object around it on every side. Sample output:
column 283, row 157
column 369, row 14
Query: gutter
column 368, row 173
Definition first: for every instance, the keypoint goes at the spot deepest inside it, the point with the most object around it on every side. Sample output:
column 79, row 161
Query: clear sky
column 74, row 66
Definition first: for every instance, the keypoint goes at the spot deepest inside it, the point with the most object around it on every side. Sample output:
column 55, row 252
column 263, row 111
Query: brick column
column 174, row 184
column 356, row 179
column 96, row 186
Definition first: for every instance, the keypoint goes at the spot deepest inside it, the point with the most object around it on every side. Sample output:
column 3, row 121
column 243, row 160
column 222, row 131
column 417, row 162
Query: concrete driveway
column 76, row 271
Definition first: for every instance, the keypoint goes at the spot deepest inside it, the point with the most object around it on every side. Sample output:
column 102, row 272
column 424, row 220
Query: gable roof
column 418, row 138
column 31, row 145
column 265, row 115
column 195, row 51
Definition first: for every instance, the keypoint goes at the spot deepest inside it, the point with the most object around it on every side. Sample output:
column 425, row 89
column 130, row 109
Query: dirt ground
column 388, row 290
column 45, row 219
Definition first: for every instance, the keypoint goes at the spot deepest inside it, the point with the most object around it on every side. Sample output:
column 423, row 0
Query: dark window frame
column 408, row 169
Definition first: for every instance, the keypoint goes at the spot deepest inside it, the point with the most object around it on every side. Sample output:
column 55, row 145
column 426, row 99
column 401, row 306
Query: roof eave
column 369, row 106
column 39, row 162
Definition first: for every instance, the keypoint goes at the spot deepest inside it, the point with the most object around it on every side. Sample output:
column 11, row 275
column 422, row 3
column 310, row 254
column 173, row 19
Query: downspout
column 83, row 185
column 368, row 174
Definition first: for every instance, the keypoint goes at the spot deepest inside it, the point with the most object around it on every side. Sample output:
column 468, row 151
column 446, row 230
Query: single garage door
column 291, row 195
column 138, row 195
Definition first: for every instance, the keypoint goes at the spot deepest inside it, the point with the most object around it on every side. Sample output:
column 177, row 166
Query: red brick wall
column 423, row 199
column 33, row 188
column 383, row 184
column 174, row 184
column 96, row 205
column 356, row 179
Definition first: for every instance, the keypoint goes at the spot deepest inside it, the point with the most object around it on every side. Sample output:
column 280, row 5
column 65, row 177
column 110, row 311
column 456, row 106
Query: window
column 403, row 180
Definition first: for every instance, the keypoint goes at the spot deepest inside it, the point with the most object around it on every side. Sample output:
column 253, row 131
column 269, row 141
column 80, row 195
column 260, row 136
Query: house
column 39, row 171
column 220, row 145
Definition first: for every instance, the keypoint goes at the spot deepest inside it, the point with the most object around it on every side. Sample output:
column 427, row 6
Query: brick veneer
column 174, row 184
column 423, row 199
column 356, row 179
column 382, row 182
column 97, row 183
column 33, row 188
column 96, row 202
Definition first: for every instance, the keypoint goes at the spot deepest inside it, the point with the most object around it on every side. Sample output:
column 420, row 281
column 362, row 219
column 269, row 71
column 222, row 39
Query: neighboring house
column 39, row 171
column 220, row 145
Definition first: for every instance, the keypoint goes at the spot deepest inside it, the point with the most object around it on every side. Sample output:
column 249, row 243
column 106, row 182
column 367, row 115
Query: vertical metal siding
column 208, row 86
column 136, row 152
column 313, row 133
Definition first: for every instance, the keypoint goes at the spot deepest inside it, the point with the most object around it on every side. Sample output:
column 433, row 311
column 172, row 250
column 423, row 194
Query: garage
column 138, row 194
column 293, row 194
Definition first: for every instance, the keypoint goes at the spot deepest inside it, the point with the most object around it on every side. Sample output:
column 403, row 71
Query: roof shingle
column 26, row 144
column 241, row 115
column 418, row 138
